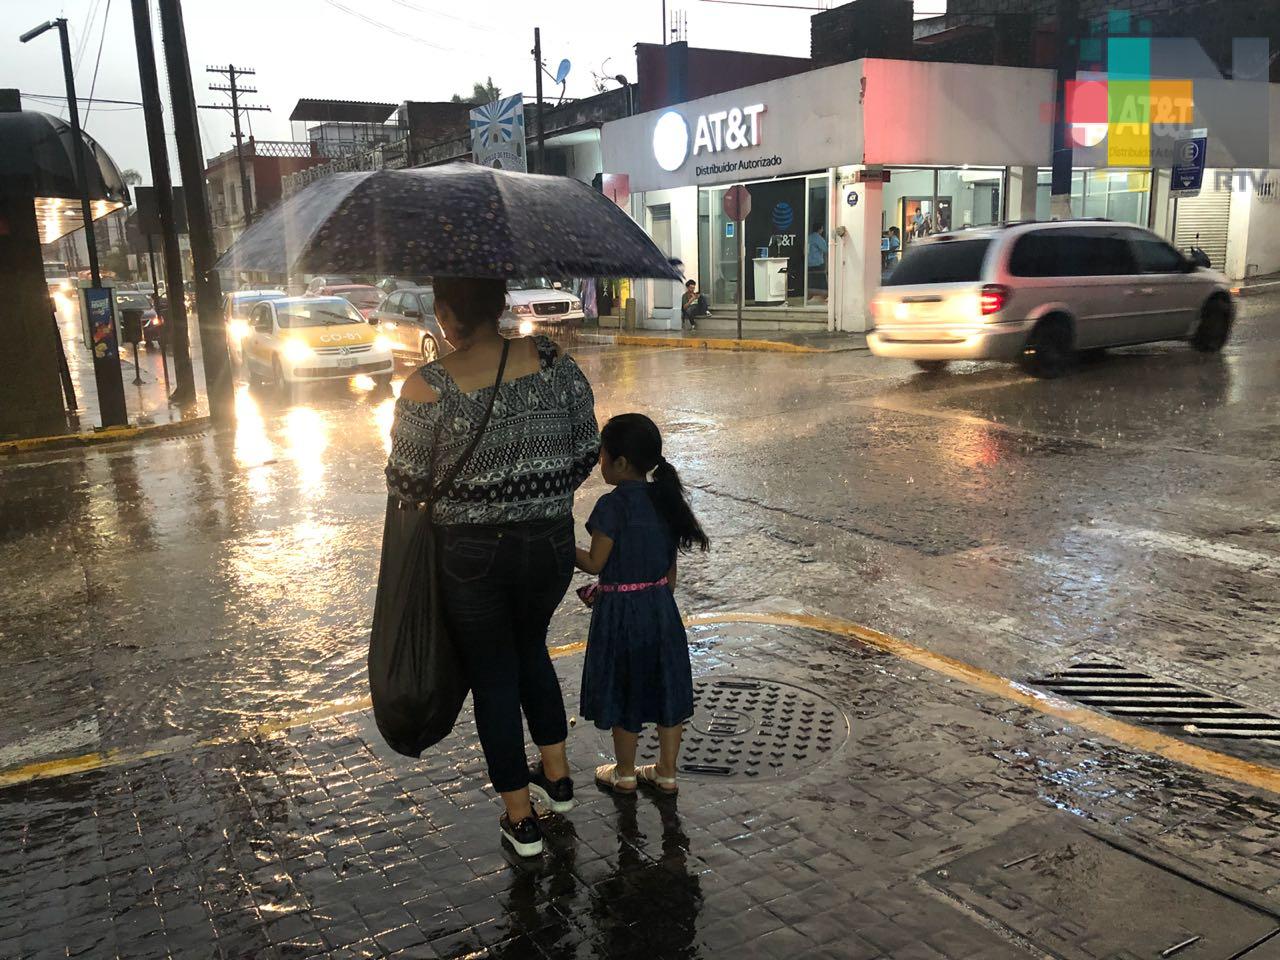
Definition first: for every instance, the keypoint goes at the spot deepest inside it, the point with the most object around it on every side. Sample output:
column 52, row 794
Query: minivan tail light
column 993, row 298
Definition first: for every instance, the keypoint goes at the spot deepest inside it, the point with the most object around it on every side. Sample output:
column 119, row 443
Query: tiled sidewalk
column 321, row 843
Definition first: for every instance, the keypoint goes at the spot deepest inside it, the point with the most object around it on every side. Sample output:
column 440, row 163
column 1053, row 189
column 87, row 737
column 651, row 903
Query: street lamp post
column 106, row 364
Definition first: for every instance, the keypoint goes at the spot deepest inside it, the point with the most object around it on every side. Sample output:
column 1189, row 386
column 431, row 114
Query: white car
column 302, row 339
column 537, row 301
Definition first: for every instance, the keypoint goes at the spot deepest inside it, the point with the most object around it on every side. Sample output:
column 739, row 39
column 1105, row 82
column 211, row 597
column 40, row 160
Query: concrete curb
column 1254, row 289
column 111, row 435
column 716, row 343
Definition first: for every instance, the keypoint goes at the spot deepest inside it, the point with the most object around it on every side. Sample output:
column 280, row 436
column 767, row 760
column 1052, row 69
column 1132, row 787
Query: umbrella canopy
column 460, row 220
column 40, row 146
column 36, row 156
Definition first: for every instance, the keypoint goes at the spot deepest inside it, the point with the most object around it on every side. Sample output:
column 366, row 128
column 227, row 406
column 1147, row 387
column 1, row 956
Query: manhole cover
column 1146, row 699
column 1079, row 897
column 754, row 729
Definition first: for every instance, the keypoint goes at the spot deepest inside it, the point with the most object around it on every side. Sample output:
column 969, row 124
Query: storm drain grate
column 1138, row 696
column 754, row 729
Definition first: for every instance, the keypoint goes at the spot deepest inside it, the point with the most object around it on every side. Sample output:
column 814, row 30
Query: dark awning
column 342, row 111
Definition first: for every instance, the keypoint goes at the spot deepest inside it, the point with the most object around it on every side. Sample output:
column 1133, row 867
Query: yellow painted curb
column 1139, row 738
column 715, row 343
column 65, row 766
column 110, row 435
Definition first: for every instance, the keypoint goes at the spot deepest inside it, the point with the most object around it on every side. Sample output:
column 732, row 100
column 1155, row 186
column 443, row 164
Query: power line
column 386, row 26
column 485, row 28
column 63, row 98
column 83, row 42
column 106, row 16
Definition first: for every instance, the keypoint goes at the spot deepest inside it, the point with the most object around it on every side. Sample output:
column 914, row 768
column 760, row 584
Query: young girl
column 637, row 667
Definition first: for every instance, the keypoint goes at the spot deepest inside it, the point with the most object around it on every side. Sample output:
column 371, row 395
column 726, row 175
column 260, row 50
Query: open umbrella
column 37, row 151
column 460, row 220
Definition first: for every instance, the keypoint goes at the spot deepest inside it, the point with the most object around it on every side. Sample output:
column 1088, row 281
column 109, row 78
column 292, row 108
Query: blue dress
column 637, row 667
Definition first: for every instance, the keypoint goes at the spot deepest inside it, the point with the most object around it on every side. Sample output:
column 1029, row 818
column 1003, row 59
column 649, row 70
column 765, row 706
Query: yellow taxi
column 302, row 339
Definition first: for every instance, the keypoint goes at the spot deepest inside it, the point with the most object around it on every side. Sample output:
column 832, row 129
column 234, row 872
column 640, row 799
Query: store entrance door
column 660, row 230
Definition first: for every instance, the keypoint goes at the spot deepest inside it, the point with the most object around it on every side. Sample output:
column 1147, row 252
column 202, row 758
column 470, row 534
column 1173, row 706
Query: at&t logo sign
column 714, row 132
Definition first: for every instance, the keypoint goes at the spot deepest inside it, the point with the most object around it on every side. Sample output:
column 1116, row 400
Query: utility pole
column 665, row 30
column 232, row 73
column 186, row 132
column 537, row 73
column 1068, row 42
column 176, row 334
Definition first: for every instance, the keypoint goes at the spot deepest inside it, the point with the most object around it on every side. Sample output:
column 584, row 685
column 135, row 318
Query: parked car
column 316, row 284
column 407, row 318
column 537, row 301
column 1037, row 293
column 237, row 307
column 298, row 339
column 392, row 284
column 361, row 296
column 152, row 322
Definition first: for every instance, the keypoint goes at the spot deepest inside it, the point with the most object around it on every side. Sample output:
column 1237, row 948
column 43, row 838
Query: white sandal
column 648, row 775
column 607, row 777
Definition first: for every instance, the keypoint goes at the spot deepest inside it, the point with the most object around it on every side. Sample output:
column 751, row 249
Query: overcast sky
column 381, row 50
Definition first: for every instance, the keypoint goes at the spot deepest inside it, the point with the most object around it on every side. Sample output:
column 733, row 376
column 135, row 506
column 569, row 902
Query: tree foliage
column 480, row 93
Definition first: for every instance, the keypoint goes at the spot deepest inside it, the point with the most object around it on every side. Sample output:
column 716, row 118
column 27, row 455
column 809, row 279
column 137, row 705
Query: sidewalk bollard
column 131, row 324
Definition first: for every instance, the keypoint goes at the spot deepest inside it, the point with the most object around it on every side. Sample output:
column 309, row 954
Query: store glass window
column 785, row 239
column 818, row 243
column 970, row 198
column 1120, row 195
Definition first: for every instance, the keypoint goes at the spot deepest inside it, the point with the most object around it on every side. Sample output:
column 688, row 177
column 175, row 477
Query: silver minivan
column 1036, row 293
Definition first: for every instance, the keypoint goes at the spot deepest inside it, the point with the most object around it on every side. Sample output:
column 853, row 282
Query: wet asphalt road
column 1130, row 511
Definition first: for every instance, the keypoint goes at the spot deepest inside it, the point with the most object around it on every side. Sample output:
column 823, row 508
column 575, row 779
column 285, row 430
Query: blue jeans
column 501, row 584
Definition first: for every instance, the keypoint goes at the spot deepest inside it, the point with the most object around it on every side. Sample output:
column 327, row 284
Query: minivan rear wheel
column 1214, row 328
column 931, row 366
column 1048, row 350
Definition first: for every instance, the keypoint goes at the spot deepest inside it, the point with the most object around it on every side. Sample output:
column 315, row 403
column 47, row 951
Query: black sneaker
column 525, row 837
column 555, row 794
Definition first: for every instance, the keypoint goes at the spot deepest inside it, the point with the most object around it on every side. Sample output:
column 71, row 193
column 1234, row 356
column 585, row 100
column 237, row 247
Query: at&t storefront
column 961, row 145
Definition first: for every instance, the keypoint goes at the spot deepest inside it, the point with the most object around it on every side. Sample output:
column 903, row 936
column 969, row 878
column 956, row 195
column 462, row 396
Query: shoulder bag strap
column 447, row 483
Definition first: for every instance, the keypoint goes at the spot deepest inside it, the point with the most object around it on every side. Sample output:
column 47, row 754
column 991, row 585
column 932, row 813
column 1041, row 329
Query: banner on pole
column 497, row 134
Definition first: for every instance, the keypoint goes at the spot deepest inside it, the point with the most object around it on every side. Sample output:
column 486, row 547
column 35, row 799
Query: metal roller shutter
column 1208, row 215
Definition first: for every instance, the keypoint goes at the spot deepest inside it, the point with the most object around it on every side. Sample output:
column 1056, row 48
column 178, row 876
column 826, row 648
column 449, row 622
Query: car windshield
column 529, row 283
column 243, row 306
column 941, row 261
column 316, row 313
column 133, row 300
column 362, row 299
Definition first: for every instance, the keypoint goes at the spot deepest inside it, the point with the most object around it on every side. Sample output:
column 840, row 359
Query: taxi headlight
column 238, row 330
column 296, row 351
column 522, row 310
column 381, row 343
column 526, row 328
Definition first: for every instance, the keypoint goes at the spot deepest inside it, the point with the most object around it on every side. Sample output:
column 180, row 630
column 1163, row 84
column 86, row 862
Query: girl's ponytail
column 636, row 437
column 669, row 499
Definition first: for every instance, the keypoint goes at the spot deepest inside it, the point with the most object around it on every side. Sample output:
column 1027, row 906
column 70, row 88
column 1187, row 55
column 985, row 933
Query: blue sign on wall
column 1188, row 166
column 852, row 198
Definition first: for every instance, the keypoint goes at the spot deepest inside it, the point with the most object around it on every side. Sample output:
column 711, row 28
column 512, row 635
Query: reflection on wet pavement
column 183, row 586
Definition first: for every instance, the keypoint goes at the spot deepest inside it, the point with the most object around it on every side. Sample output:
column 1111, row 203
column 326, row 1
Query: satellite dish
column 562, row 71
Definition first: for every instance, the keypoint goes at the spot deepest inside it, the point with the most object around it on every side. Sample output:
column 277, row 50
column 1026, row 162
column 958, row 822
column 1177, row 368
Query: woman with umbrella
column 506, row 526
column 497, row 436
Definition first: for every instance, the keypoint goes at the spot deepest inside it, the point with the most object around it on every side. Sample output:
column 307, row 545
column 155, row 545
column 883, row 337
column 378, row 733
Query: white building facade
column 836, row 157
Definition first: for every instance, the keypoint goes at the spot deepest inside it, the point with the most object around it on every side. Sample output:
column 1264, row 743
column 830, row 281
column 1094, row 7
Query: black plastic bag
column 415, row 678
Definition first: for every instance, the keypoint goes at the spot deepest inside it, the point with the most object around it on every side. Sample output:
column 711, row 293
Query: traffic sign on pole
column 737, row 202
